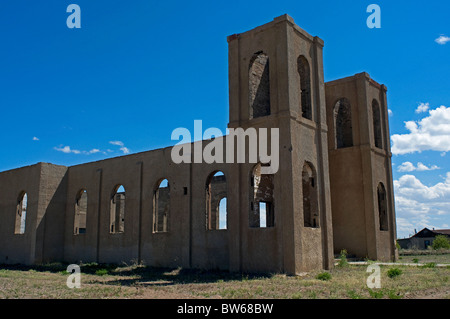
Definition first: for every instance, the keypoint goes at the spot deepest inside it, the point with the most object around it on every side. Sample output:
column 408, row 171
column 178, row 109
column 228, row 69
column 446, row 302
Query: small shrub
column 297, row 295
column 441, row 242
column 313, row 295
column 394, row 295
column 324, row 276
column 343, row 259
column 377, row 294
column 101, row 272
column 429, row 265
column 353, row 294
column 394, row 272
column 415, row 260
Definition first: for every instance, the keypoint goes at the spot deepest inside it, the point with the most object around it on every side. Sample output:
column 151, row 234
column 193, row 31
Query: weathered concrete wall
column 18, row 248
column 43, row 237
column 52, row 202
column 356, row 172
column 140, row 175
column 210, row 249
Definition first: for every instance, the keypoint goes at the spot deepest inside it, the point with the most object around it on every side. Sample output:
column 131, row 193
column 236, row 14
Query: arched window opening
column 223, row 213
column 310, row 197
column 343, row 123
column 262, row 201
column 117, row 213
column 80, row 213
column 161, row 207
column 382, row 207
column 259, row 85
column 305, row 86
column 21, row 213
column 216, row 201
column 376, row 115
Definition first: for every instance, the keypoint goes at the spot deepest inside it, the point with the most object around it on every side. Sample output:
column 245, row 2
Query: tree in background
column 441, row 241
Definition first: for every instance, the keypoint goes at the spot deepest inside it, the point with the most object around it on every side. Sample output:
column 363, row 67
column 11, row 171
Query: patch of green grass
column 297, row 295
column 394, row 272
column 238, row 293
column 429, row 265
column 101, row 272
column 353, row 294
column 415, row 260
column 394, row 295
column 377, row 294
column 312, row 295
column 324, row 276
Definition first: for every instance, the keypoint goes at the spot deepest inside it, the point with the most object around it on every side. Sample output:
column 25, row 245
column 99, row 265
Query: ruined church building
column 333, row 189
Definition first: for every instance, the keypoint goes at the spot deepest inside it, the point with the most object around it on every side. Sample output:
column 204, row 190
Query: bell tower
column 360, row 168
column 276, row 81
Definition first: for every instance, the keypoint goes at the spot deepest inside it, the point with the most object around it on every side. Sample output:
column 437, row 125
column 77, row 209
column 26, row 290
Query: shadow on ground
column 141, row 275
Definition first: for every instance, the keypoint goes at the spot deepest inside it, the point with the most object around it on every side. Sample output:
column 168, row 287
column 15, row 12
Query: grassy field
column 425, row 256
column 138, row 281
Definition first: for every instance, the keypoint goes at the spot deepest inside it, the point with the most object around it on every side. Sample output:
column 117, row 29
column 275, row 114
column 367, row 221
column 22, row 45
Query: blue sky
column 136, row 70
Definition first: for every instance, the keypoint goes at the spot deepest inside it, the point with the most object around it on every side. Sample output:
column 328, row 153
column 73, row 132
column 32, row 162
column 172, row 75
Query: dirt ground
column 138, row 281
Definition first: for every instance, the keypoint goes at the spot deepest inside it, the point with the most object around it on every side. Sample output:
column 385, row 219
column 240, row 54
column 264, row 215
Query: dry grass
column 137, row 281
column 440, row 256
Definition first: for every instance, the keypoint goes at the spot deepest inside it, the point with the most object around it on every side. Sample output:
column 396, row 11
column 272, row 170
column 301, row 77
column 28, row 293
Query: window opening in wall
column 343, row 123
column 259, row 85
column 80, row 213
column 117, row 213
column 376, row 115
column 21, row 213
column 216, row 201
column 305, row 86
column 310, row 197
column 382, row 207
column 261, row 202
column 161, row 204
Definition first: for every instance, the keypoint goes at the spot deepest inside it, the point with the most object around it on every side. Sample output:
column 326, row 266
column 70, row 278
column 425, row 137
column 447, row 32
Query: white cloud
column 423, row 107
column 418, row 205
column 430, row 133
column 118, row 143
column 67, row 150
column 406, row 167
column 411, row 187
column 124, row 149
column 442, row 39
column 409, row 167
column 35, row 138
column 390, row 112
